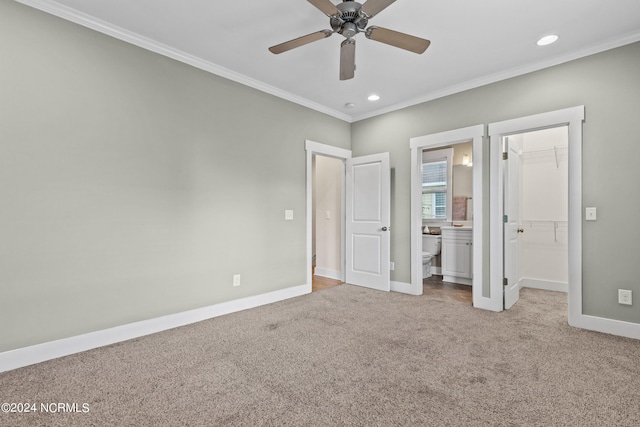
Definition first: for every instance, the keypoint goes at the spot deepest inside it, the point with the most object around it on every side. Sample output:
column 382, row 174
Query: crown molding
column 130, row 37
column 72, row 15
column 629, row 38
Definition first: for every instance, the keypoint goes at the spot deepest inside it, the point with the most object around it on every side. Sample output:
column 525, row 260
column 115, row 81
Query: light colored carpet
column 349, row 356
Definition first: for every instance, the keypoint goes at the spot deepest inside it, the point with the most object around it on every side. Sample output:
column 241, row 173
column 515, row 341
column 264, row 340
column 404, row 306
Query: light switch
column 288, row 215
column 590, row 214
column 327, row 215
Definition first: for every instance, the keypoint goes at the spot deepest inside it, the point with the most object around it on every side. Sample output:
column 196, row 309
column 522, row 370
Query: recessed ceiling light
column 373, row 97
column 547, row 40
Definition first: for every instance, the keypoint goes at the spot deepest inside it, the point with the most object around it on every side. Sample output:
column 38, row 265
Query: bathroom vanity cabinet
column 457, row 255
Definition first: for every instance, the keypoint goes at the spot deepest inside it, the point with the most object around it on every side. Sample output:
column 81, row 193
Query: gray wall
column 133, row 186
column 608, row 84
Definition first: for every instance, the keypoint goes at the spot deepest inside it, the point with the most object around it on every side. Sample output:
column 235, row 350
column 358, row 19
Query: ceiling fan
column 350, row 18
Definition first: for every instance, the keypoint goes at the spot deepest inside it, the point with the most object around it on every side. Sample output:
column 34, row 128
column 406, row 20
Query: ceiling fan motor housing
column 349, row 21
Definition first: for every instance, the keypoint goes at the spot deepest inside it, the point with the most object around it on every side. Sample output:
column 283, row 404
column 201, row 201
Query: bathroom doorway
column 470, row 137
column 447, row 194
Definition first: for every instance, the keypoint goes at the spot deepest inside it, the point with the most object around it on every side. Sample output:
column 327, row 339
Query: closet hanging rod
column 546, row 150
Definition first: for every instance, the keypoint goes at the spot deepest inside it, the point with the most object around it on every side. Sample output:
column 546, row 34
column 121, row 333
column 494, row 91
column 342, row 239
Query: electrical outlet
column 624, row 297
column 288, row 215
column 236, row 280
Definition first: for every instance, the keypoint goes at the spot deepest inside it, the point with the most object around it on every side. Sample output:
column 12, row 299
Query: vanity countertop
column 455, row 227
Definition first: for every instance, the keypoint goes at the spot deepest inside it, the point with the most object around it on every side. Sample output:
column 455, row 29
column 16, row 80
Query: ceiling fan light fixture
column 373, row 97
column 547, row 40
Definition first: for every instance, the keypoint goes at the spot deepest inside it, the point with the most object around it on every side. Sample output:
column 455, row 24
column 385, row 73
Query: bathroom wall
column 462, row 181
column 544, row 210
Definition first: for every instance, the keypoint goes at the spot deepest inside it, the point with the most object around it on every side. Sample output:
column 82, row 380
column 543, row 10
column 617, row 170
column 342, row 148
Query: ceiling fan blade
column 373, row 7
column 347, row 59
column 397, row 39
column 325, row 7
column 300, row 41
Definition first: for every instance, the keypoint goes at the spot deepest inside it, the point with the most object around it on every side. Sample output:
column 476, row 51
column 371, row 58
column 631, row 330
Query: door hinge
column 505, row 218
column 505, row 155
column 505, row 282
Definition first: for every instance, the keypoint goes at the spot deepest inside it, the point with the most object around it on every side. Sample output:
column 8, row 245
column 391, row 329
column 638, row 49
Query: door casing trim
column 312, row 148
column 573, row 118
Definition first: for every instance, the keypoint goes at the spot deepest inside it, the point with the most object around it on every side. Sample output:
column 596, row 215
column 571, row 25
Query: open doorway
column 570, row 119
column 327, row 221
column 365, row 215
column 313, row 151
column 536, row 207
column 470, row 244
column 447, row 221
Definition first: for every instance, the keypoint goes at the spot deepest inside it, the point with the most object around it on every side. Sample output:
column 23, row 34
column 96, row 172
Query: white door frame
column 442, row 139
column 312, row 148
column 571, row 117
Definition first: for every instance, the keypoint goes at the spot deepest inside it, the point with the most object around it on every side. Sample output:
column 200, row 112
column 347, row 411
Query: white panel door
column 368, row 211
column 512, row 225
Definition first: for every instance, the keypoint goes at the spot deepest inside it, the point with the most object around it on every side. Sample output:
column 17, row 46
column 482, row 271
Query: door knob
column 520, row 230
column 385, row 228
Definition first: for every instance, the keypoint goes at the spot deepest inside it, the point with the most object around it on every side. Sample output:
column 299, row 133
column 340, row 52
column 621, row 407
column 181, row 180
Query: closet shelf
column 554, row 151
column 544, row 222
column 550, row 223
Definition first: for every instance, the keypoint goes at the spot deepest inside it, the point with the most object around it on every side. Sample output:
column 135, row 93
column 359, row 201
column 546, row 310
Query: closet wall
column 544, row 243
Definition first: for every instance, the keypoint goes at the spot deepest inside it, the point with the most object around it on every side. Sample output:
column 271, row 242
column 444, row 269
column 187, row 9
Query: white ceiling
column 473, row 42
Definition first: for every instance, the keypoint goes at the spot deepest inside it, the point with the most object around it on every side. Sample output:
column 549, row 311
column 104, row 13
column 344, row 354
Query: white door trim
column 571, row 117
column 312, row 148
column 452, row 137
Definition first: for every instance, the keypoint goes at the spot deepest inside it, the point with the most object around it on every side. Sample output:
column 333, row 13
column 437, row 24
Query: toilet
column 431, row 245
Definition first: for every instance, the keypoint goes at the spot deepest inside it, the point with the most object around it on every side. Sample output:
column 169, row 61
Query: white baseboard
column 547, row 285
column 406, row 288
column 607, row 326
column 18, row 358
column 328, row 273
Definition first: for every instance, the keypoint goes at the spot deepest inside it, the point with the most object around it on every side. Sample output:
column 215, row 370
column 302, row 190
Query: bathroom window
column 436, row 184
